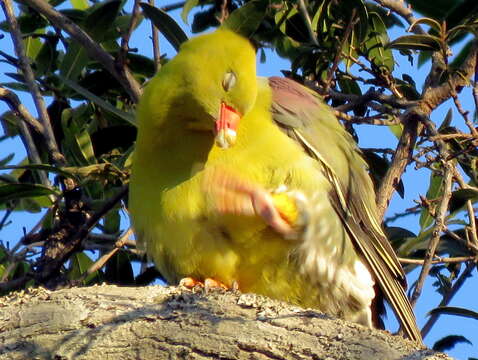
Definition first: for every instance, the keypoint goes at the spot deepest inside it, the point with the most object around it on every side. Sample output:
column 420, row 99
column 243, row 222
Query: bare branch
column 308, row 23
column 16, row 106
column 399, row 8
column 370, row 120
column 440, row 213
column 29, row 76
column 98, row 264
column 439, row 260
column 121, row 60
column 155, row 39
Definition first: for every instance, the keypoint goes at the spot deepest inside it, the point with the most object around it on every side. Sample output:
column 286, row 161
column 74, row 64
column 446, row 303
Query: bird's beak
column 226, row 126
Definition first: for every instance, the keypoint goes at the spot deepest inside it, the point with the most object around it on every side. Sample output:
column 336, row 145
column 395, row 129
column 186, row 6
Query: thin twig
column 121, row 60
column 441, row 212
column 471, row 216
column 155, row 39
column 308, row 23
column 370, row 120
column 372, row 95
column 439, row 260
column 98, row 264
column 24, row 65
column 451, row 136
column 335, row 64
column 17, row 107
column 463, row 113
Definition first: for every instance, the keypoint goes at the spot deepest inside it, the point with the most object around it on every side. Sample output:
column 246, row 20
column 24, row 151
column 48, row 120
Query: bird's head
column 218, row 82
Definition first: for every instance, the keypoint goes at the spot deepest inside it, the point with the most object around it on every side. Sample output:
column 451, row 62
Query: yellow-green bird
column 253, row 181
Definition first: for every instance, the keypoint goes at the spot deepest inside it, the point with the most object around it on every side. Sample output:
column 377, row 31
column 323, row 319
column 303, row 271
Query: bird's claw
column 208, row 285
column 234, row 195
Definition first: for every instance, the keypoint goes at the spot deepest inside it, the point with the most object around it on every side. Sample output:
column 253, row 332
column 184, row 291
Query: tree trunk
column 110, row 322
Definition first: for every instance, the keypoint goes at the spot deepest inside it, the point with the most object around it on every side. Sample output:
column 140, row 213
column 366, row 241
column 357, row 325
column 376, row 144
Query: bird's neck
column 172, row 150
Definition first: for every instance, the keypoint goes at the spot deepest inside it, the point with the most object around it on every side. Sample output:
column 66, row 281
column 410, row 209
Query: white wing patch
column 330, row 262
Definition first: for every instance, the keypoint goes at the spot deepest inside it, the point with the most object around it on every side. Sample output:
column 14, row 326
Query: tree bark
column 110, row 322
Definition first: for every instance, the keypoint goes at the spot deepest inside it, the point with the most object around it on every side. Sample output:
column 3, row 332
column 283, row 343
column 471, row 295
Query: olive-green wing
column 300, row 113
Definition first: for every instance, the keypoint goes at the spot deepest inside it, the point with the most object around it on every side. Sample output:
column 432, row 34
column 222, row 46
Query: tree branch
column 431, row 99
column 24, row 65
column 93, row 49
column 399, row 8
column 441, row 212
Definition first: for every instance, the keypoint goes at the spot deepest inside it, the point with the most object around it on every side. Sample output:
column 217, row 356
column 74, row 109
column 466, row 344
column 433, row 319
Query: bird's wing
column 302, row 115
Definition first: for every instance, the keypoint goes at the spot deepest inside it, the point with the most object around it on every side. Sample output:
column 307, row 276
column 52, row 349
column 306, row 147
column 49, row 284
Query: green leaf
column 10, row 192
column 350, row 86
column 246, row 19
column 397, row 235
column 378, row 167
column 447, row 120
column 416, row 42
column 436, row 9
column 80, row 4
column 140, row 64
column 460, row 197
column 74, row 61
column 428, row 21
column 119, row 270
column 112, row 221
column 449, row 342
column 32, row 46
column 46, row 59
column 76, row 142
column 461, row 13
column 79, row 264
column 101, row 17
column 165, row 24
column 188, row 6
column 396, row 130
column 459, row 59
column 452, row 310
column 435, row 190
column 376, row 42
column 6, row 159
column 128, row 117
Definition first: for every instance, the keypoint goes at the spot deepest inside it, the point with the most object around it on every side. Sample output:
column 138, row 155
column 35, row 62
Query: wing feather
column 302, row 115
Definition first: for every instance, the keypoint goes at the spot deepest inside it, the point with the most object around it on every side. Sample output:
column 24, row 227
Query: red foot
column 233, row 195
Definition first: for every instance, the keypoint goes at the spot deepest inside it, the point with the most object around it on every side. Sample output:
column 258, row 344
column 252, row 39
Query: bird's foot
column 208, row 284
column 280, row 209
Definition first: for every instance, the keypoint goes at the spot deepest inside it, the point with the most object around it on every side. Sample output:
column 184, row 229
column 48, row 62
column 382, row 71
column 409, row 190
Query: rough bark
column 109, row 322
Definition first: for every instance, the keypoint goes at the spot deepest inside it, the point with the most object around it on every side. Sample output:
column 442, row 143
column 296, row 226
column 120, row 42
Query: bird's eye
column 229, row 80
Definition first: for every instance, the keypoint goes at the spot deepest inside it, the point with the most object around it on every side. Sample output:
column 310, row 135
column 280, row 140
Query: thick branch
column 399, row 8
column 413, row 118
column 157, row 322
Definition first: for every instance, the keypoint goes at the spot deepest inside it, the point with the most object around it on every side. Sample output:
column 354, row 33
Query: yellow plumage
column 196, row 202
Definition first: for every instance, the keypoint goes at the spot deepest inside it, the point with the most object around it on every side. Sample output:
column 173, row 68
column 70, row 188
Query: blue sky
column 416, row 183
